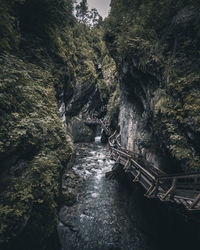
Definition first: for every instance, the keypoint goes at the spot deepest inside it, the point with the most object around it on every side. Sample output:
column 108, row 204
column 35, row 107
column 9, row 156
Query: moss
column 178, row 113
column 45, row 53
column 31, row 132
column 9, row 36
column 158, row 40
column 107, row 85
column 113, row 109
column 104, row 90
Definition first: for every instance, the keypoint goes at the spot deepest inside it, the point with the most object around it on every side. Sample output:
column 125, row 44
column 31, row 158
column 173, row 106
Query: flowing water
column 111, row 215
column 103, row 217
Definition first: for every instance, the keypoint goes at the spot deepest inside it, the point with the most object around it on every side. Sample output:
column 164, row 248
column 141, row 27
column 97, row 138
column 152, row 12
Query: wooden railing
column 180, row 188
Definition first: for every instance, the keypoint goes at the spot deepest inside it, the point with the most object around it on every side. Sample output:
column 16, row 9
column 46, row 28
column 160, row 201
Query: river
column 109, row 215
column 103, row 217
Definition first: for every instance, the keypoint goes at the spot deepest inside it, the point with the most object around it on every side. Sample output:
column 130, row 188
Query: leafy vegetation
column 45, row 54
column 113, row 109
column 34, row 147
column 33, row 144
column 159, row 41
column 45, row 19
column 84, row 16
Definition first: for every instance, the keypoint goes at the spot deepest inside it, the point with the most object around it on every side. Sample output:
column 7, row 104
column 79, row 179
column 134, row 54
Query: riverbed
column 103, row 216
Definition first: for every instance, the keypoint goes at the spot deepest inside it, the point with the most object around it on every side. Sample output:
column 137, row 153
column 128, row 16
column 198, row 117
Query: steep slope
column 93, row 82
column 54, row 72
column 34, row 147
column 156, row 47
column 34, row 150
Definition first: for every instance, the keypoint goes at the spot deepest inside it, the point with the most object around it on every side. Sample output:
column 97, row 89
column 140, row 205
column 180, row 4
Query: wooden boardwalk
column 180, row 188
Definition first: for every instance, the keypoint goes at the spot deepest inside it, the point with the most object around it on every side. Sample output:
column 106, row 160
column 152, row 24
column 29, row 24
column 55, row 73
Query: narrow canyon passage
column 112, row 215
column 104, row 216
column 64, row 71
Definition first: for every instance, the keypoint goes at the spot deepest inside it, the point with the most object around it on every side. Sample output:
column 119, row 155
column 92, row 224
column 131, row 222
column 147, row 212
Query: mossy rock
column 34, row 150
column 81, row 132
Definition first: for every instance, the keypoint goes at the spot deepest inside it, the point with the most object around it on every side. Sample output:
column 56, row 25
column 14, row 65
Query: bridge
column 177, row 188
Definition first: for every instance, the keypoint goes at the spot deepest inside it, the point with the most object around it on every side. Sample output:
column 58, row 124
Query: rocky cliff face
column 52, row 75
column 91, row 87
column 136, row 114
column 34, row 151
column 34, row 146
column 157, row 62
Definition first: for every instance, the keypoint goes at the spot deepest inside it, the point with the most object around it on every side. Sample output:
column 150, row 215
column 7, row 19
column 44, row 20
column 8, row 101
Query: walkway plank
column 181, row 188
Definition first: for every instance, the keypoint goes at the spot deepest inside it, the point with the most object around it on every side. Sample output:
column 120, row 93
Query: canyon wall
column 156, row 46
column 55, row 72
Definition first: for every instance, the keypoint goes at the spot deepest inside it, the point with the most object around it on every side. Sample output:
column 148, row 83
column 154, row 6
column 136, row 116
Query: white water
column 99, row 219
column 98, row 139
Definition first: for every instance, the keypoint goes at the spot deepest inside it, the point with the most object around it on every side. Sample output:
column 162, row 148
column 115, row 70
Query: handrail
column 135, row 163
column 179, row 176
column 112, row 135
column 156, row 182
column 117, row 140
column 118, row 136
column 152, row 166
column 164, row 175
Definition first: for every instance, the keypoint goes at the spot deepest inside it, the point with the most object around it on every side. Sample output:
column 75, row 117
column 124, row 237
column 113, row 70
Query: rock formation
column 156, row 51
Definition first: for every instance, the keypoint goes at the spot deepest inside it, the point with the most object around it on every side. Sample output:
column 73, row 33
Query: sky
column 102, row 6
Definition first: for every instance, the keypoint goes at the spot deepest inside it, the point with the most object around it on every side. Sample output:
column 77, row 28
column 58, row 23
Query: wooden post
column 149, row 190
column 136, row 179
column 155, row 189
column 170, row 191
column 194, row 203
column 118, row 159
column 126, row 165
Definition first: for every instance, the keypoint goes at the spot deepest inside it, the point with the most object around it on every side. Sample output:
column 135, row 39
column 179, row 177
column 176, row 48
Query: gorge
column 138, row 70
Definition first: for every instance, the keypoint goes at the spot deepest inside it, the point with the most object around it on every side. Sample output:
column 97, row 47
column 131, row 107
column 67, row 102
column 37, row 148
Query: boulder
column 81, row 132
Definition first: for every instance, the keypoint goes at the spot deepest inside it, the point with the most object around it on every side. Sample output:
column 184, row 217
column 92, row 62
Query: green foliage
column 104, row 90
column 138, row 19
column 157, row 39
column 95, row 18
column 87, row 52
column 84, row 16
column 113, row 108
column 9, row 36
column 41, row 18
column 57, row 53
column 84, row 58
column 31, row 134
column 82, row 11
column 108, row 85
column 177, row 115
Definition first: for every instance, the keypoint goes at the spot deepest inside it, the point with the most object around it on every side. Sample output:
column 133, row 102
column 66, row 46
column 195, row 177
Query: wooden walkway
column 180, row 188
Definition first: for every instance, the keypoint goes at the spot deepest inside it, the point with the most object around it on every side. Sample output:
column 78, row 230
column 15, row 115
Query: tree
column 42, row 17
column 82, row 11
column 95, row 18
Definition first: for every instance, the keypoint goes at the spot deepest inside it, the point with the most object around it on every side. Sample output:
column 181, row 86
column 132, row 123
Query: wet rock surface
column 81, row 132
column 97, row 214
